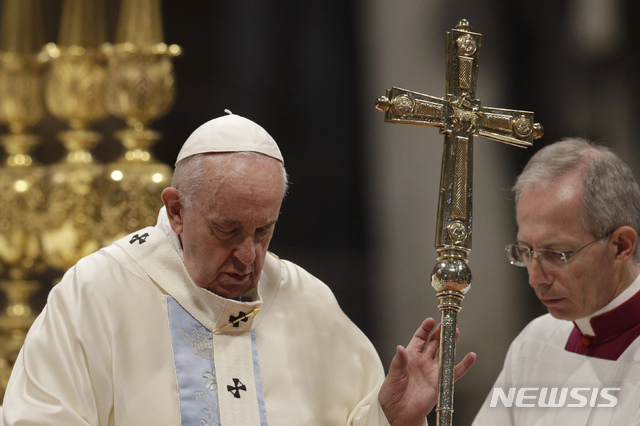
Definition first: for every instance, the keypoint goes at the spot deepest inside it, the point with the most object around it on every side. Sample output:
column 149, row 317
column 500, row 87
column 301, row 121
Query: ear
column 172, row 199
column 625, row 239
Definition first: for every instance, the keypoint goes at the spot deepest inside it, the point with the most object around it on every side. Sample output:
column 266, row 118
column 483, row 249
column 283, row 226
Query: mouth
column 231, row 285
column 235, row 278
column 547, row 301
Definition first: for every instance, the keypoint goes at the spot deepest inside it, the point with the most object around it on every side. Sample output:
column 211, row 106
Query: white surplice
column 537, row 359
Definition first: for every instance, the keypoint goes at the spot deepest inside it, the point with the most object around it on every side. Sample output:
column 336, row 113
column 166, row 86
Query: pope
column 194, row 321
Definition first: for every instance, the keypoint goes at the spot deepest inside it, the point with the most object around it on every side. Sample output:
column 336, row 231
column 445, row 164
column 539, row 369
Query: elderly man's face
column 548, row 218
column 226, row 234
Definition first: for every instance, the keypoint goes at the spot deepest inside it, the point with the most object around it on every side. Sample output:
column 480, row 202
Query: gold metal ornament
column 21, row 106
column 15, row 320
column 459, row 117
column 75, row 94
column 72, row 217
column 20, row 211
column 141, row 88
column 141, row 78
column 130, row 192
column 76, row 83
column 20, row 250
column 52, row 216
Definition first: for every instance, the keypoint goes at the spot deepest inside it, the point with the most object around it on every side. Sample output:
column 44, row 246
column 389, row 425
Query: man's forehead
column 565, row 188
column 550, row 215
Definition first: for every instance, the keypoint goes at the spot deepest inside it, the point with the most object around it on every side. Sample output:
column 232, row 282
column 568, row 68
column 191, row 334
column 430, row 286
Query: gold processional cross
column 459, row 117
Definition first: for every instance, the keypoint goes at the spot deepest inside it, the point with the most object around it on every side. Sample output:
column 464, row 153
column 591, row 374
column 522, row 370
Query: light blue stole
column 193, row 348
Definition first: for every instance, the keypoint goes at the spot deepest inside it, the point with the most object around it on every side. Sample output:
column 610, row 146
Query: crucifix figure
column 460, row 117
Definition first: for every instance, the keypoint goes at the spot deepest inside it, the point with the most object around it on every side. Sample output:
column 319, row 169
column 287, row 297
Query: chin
column 231, row 291
column 562, row 315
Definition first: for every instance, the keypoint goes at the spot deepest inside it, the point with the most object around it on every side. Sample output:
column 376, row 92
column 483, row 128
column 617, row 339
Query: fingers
column 464, row 365
column 421, row 336
column 425, row 329
column 402, row 357
column 399, row 362
column 427, row 339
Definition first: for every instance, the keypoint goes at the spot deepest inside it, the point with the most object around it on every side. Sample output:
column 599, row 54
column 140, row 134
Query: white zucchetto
column 230, row 133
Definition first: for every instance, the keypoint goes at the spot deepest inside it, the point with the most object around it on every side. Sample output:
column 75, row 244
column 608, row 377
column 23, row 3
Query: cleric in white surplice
column 578, row 214
column 193, row 321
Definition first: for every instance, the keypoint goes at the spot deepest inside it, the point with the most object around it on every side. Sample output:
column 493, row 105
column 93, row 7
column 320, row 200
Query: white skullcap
column 230, row 133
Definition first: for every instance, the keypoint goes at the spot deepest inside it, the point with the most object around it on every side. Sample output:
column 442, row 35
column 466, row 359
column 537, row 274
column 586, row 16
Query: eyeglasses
column 523, row 256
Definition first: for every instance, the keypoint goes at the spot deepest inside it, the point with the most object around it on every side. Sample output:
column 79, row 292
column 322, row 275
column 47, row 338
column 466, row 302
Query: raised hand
column 410, row 390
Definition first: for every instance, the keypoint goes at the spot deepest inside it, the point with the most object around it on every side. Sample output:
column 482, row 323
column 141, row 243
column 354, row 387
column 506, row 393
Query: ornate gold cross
column 459, row 117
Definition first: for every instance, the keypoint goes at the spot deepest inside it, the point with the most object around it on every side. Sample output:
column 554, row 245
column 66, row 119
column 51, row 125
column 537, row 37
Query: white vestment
column 109, row 348
column 537, row 360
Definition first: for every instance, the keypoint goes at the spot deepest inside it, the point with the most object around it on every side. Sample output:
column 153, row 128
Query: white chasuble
column 127, row 338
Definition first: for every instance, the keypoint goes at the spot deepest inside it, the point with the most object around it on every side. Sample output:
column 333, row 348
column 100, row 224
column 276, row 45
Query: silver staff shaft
column 451, row 278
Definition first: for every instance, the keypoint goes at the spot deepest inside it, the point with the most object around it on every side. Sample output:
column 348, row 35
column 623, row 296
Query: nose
column 245, row 252
column 537, row 274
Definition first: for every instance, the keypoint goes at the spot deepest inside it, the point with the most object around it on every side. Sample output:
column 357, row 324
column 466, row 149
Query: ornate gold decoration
column 52, row 216
column 75, row 94
column 15, row 321
column 21, row 210
column 141, row 88
column 73, row 205
column 21, row 106
column 141, row 76
column 459, row 117
column 130, row 189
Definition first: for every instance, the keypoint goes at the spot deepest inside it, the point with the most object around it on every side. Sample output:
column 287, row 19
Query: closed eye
column 263, row 232
column 226, row 231
column 222, row 231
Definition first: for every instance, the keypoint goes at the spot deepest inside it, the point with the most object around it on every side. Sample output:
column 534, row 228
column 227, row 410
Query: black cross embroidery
column 139, row 238
column 238, row 386
column 236, row 320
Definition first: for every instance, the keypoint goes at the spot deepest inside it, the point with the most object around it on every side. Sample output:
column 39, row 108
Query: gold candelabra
column 53, row 215
column 21, row 107
column 141, row 88
column 75, row 94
